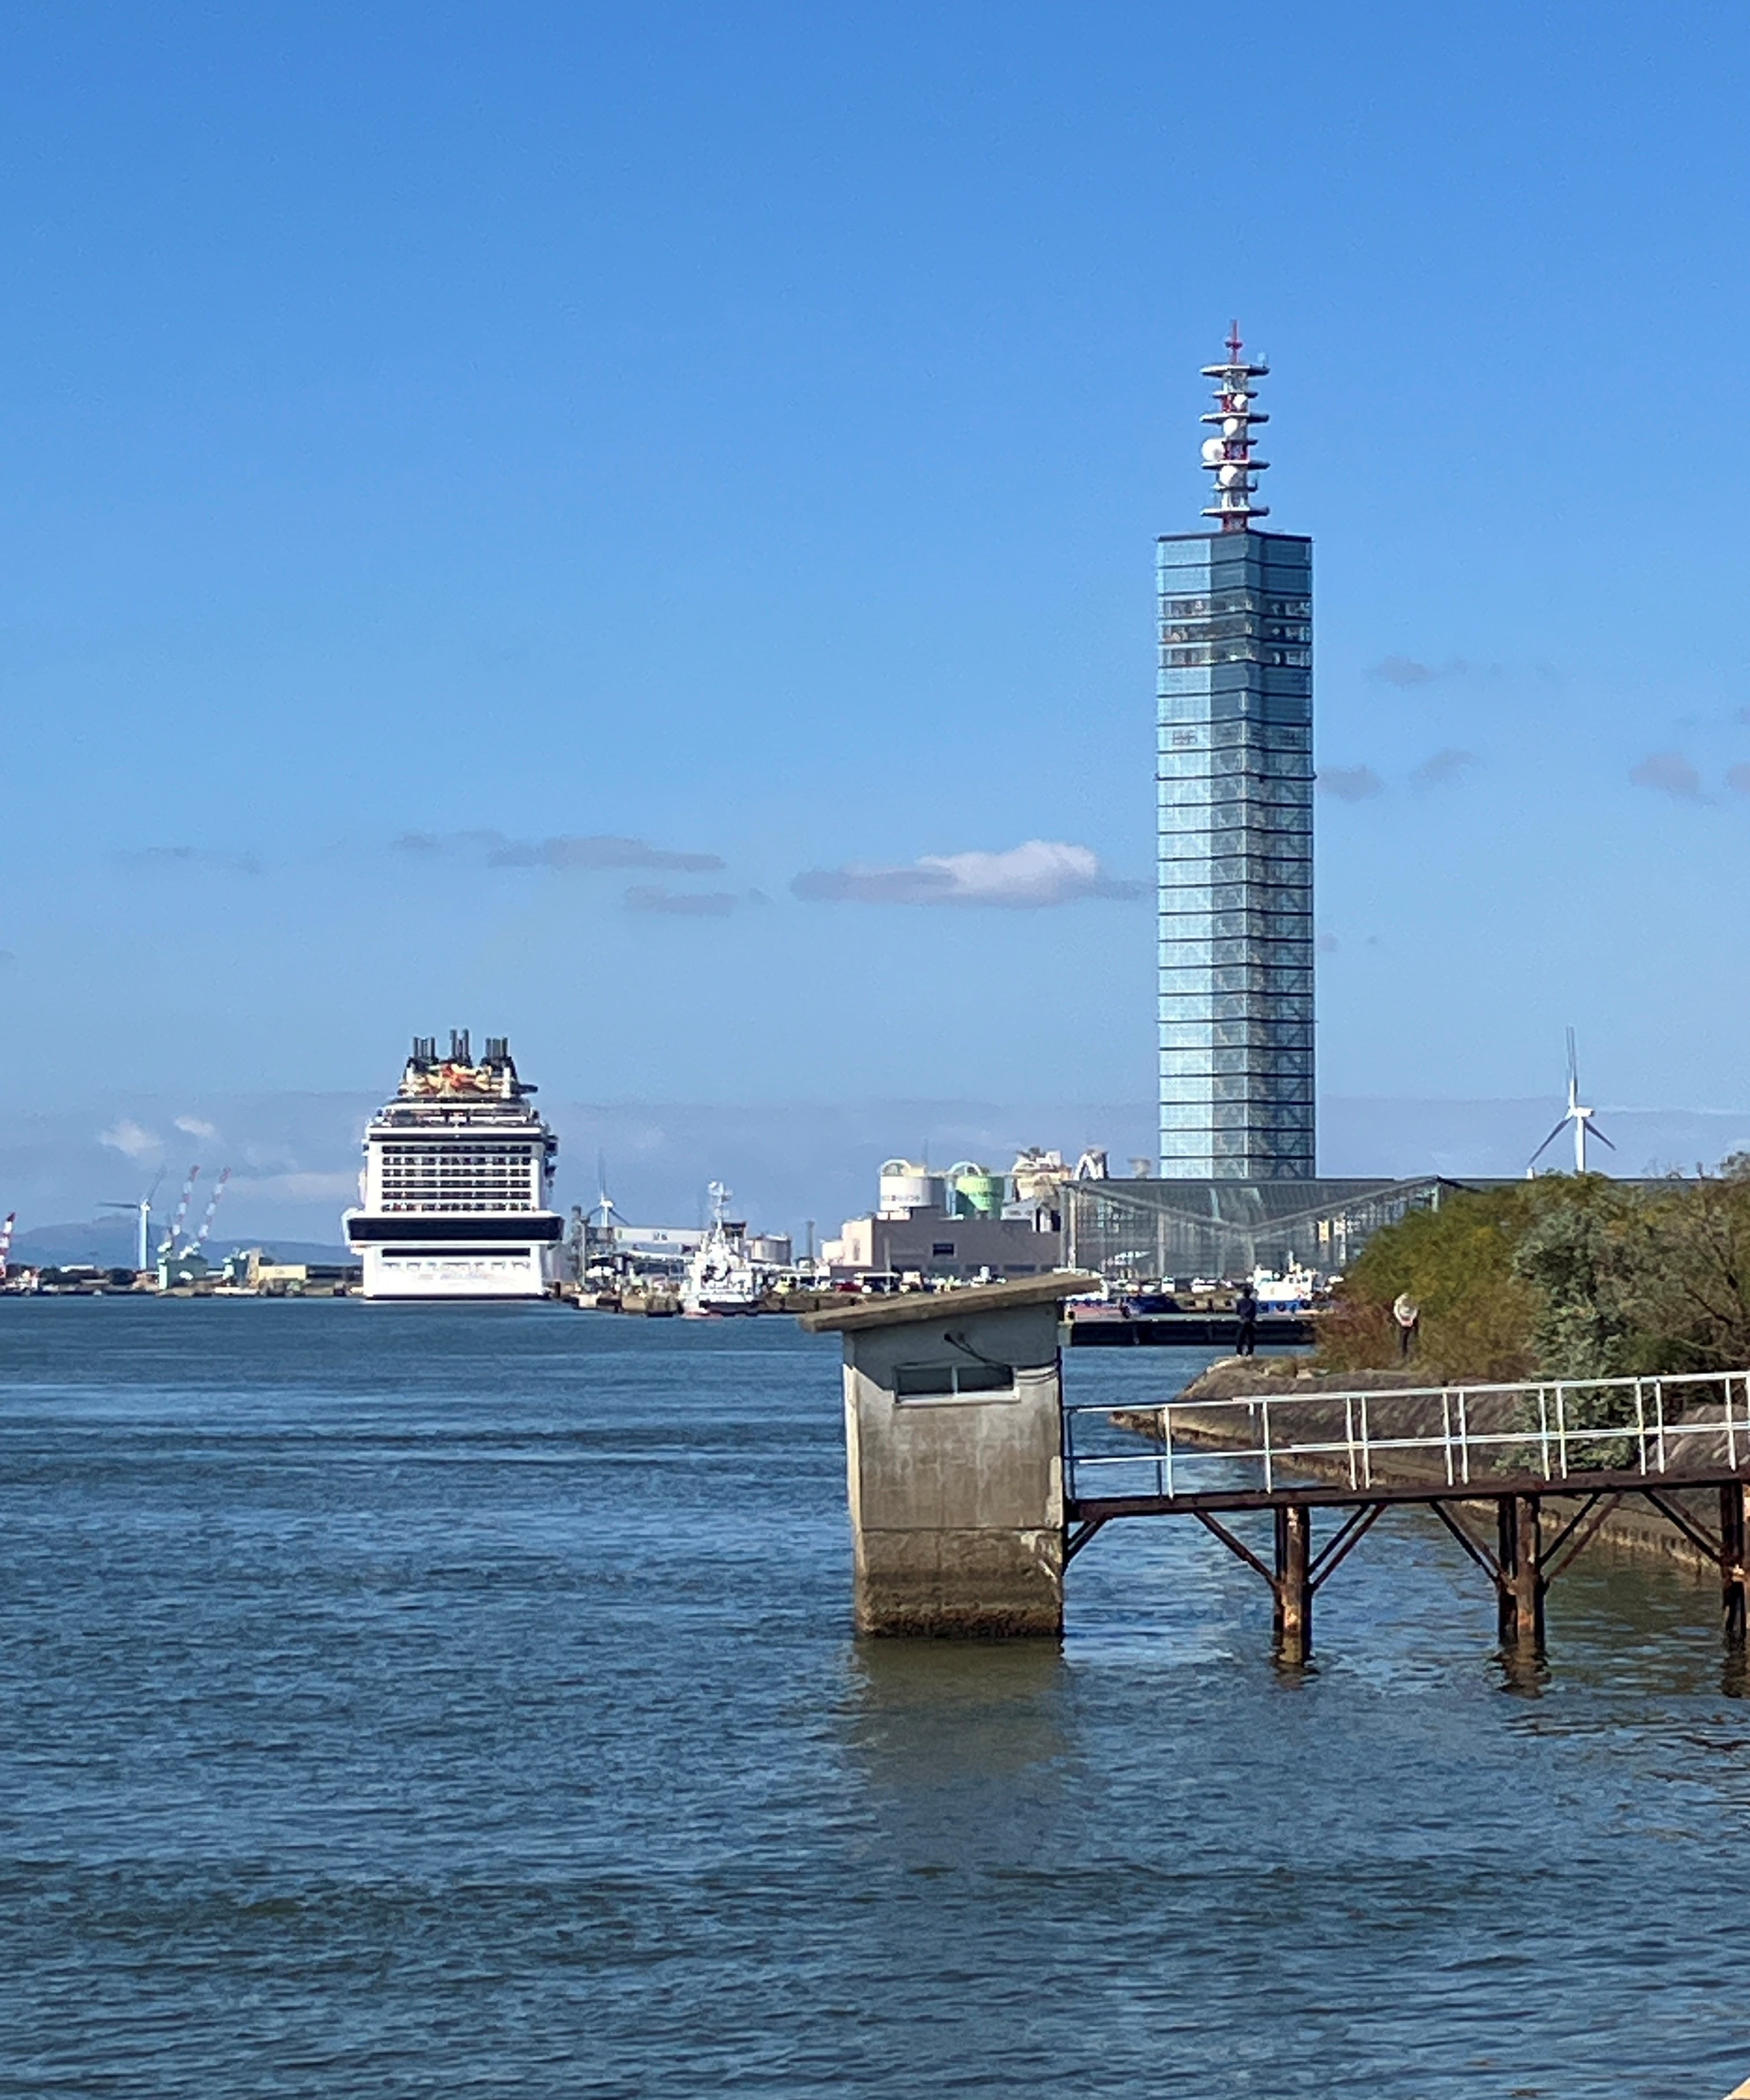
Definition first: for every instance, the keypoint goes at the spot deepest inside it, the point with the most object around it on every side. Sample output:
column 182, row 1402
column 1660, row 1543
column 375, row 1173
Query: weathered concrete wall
column 957, row 1503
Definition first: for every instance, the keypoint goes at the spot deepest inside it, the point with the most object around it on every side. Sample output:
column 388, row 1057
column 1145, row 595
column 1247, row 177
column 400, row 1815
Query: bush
column 1568, row 1276
column 1455, row 1262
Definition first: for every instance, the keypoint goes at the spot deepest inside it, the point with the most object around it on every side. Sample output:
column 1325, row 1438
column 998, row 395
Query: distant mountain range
column 113, row 1243
column 295, row 1156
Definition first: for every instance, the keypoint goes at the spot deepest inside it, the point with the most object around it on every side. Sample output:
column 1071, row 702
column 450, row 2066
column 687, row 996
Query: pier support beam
column 1293, row 1585
column 1734, row 1548
column 954, row 1446
column 1520, row 1583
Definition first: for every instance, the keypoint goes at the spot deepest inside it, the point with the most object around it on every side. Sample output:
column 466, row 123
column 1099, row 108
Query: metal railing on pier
column 1428, row 1440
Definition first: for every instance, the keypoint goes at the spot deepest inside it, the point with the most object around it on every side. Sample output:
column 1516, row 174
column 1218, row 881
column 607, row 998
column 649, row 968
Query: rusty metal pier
column 1559, row 1455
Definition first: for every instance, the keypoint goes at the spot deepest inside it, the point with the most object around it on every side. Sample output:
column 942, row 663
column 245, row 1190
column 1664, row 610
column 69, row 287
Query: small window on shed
column 951, row 1381
column 941, row 1246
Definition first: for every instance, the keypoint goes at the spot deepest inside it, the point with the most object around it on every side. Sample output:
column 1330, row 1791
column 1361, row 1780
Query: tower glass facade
column 1235, row 775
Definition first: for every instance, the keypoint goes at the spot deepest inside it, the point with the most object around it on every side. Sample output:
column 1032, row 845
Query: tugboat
column 720, row 1276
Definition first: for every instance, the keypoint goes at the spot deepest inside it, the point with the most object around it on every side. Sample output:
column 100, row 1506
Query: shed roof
column 920, row 1305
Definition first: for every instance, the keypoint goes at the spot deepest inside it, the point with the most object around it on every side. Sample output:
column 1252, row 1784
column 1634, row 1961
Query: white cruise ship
column 458, row 1168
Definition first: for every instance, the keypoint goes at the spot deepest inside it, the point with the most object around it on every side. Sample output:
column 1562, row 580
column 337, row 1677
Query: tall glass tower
column 1235, row 775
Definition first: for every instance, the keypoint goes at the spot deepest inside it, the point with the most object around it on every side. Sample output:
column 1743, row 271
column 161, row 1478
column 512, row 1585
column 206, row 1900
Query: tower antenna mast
column 1228, row 454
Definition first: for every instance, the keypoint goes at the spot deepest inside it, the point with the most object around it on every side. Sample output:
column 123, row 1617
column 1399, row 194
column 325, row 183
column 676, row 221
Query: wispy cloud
column 596, row 850
column 1670, row 773
column 680, row 903
column 169, row 860
column 1445, row 767
column 196, row 1127
column 1738, row 779
column 1028, row 877
column 126, row 1137
column 302, row 1187
column 1349, row 783
column 1407, row 671
column 1404, row 671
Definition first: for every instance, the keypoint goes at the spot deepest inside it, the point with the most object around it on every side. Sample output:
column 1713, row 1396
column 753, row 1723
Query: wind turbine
column 1575, row 1114
column 143, row 1204
column 607, row 1210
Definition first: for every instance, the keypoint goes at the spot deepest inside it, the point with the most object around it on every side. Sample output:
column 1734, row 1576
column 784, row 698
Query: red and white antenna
column 206, row 1222
column 1228, row 454
column 6, row 1241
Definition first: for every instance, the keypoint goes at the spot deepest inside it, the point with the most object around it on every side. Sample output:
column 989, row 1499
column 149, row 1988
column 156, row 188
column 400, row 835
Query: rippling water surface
column 430, row 1700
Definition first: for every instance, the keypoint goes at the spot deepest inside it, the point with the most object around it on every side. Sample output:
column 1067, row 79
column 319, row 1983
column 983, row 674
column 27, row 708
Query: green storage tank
column 977, row 1192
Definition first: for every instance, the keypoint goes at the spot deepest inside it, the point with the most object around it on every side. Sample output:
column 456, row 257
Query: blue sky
column 490, row 497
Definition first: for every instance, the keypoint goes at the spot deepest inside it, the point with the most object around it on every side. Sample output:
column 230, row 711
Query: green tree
column 1573, row 1257
column 1683, row 1273
column 1567, row 1277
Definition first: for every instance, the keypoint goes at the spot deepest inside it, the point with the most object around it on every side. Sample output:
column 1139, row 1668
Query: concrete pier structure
column 954, row 1448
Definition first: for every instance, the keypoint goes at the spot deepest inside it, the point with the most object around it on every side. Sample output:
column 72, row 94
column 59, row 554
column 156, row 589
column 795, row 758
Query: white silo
column 907, row 1185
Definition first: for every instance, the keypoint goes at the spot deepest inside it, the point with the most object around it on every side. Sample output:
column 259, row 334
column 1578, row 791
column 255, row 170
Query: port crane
column 199, row 1240
column 167, row 1245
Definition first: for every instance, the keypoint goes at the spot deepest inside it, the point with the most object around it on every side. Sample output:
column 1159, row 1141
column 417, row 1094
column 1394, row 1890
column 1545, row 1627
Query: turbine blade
column 1601, row 1137
column 1573, row 1060
column 1550, row 1140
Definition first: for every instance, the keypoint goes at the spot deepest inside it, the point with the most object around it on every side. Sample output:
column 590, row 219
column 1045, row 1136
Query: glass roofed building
column 1235, row 776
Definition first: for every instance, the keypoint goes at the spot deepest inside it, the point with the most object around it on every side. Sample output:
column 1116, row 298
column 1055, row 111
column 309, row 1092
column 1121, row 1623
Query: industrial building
column 964, row 1223
column 1141, row 1230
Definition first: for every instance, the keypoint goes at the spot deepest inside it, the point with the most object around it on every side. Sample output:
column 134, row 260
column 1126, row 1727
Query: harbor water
column 402, row 1700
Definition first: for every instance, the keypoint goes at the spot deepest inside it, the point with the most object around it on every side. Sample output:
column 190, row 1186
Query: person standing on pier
column 1245, row 1312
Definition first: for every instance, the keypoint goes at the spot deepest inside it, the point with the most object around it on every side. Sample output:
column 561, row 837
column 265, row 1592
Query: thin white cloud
column 1349, row 783
column 162, row 860
column 1443, row 768
column 126, row 1137
column 302, row 1188
column 195, row 1127
column 1669, row 772
column 1404, row 671
column 597, row 850
column 680, row 903
column 1031, row 876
